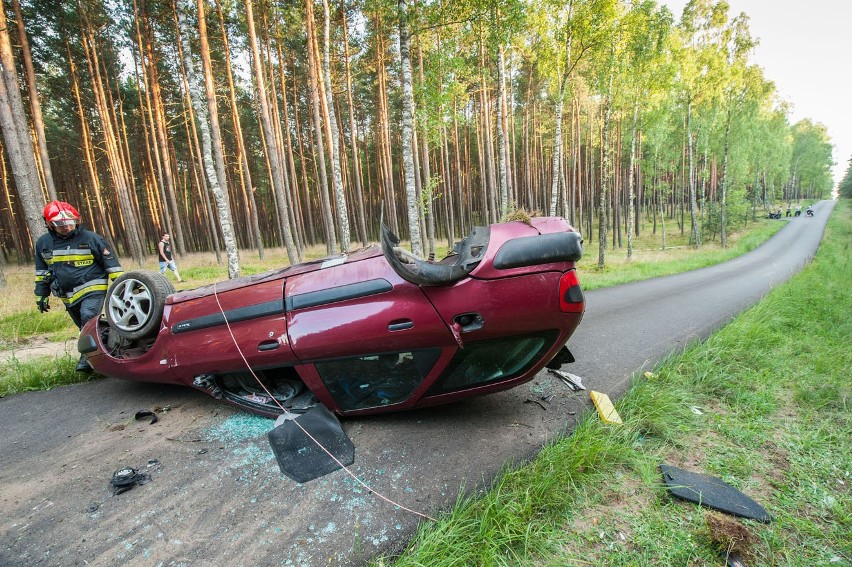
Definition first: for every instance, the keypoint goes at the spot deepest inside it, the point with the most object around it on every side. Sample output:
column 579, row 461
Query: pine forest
column 242, row 125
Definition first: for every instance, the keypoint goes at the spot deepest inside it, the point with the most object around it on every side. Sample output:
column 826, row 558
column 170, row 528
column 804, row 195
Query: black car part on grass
column 712, row 492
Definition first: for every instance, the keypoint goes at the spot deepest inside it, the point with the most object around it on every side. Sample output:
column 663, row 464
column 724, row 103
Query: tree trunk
column 489, row 177
column 695, row 236
column 606, row 176
column 384, row 159
column 132, row 228
column 428, row 190
column 160, row 128
column 266, row 123
column 149, row 127
column 215, row 131
column 210, row 167
column 501, row 135
column 325, row 199
column 337, row 179
column 557, row 153
column 245, row 173
column 408, row 131
column 723, row 235
column 35, row 105
column 16, row 136
column 297, row 210
column 631, row 211
column 356, row 159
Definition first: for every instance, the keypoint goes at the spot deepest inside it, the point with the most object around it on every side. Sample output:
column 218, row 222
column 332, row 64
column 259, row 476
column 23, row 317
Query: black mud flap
column 712, row 492
column 564, row 356
column 302, row 458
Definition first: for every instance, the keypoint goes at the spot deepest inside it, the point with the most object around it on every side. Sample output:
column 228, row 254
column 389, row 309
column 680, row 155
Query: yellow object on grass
column 605, row 408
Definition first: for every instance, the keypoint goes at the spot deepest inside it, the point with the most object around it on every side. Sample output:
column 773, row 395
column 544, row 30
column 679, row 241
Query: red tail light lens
column 571, row 298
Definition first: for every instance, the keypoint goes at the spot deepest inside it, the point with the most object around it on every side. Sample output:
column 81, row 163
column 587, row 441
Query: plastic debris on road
column 605, row 408
column 571, row 380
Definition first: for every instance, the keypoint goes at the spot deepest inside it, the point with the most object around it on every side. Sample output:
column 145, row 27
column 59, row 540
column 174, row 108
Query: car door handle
column 268, row 345
column 400, row 325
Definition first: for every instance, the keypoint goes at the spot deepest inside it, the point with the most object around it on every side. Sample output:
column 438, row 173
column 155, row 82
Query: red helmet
column 60, row 213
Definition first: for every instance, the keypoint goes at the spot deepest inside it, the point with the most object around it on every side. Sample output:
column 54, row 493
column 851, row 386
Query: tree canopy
column 244, row 124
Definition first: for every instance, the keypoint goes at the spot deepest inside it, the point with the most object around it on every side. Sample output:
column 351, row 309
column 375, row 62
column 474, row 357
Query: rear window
column 495, row 360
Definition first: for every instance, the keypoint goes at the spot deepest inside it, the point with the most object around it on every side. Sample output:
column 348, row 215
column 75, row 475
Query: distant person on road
column 810, row 211
column 798, row 210
column 166, row 259
column 74, row 264
column 789, row 210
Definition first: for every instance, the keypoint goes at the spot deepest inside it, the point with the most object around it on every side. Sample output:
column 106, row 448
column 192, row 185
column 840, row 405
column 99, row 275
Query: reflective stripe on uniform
column 58, row 257
column 85, row 289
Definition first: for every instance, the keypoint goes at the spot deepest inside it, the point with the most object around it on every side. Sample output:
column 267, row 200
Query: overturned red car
column 372, row 331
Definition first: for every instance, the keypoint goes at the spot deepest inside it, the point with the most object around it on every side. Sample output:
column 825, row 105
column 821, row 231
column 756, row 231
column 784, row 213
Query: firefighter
column 74, row 264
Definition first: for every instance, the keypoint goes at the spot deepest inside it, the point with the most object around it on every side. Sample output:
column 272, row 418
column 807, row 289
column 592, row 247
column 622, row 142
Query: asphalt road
column 216, row 496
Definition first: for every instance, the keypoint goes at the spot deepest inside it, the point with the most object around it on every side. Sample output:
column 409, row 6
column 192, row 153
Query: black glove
column 43, row 303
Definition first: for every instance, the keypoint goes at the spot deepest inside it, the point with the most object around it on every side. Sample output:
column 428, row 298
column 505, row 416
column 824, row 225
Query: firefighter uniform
column 77, row 268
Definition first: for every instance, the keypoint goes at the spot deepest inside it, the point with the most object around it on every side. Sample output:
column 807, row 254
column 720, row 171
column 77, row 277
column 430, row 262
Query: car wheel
column 135, row 302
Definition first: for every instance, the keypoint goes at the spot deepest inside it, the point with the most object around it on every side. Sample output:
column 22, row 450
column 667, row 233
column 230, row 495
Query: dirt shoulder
column 40, row 346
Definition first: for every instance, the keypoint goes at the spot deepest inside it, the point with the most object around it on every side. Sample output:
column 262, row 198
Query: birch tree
column 316, row 105
column 502, row 151
column 202, row 114
column 353, row 133
column 337, row 178
column 738, row 43
column 408, row 131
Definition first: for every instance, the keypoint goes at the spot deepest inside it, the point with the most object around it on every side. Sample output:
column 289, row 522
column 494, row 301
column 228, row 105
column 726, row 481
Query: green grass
column 56, row 324
column 650, row 261
column 42, row 373
column 773, row 392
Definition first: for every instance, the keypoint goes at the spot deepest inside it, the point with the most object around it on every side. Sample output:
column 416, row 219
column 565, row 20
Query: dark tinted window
column 376, row 380
column 493, row 361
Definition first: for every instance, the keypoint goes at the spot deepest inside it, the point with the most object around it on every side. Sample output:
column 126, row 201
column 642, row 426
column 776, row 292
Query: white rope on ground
column 311, row 437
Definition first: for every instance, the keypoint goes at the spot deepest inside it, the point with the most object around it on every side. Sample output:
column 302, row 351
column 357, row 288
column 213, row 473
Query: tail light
column 571, row 298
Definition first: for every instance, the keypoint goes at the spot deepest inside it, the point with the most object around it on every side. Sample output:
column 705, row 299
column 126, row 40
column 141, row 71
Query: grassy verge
column 762, row 404
column 42, row 373
column 649, row 261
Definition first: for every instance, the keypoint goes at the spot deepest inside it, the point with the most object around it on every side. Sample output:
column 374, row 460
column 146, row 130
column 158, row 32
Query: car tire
column 134, row 303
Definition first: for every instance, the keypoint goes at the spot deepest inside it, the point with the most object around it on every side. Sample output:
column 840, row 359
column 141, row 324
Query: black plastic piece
column 86, row 344
column 302, row 458
column 341, row 293
column 468, row 253
column 273, row 307
column 469, row 322
column 564, row 356
column 145, row 414
column 539, row 249
column 712, row 492
column 124, row 479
